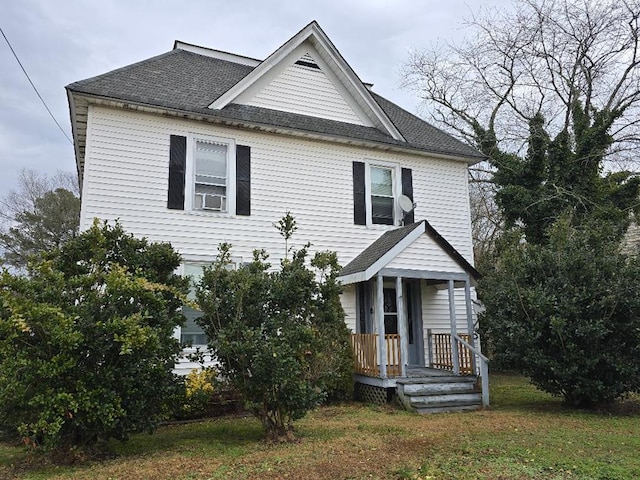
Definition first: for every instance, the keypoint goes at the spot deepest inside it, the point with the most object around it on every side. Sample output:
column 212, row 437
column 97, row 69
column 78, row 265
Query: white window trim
column 199, row 261
column 397, row 190
column 190, row 174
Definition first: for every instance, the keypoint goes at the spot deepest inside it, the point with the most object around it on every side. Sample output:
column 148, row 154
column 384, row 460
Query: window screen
column 382, row 199
column 210, row 192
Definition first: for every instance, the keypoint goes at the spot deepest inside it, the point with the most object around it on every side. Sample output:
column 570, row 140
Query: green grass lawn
column 525, row 434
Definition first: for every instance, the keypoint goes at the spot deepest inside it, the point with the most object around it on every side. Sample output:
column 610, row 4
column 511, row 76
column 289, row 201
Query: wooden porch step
column 450, row 393
column 437, row 398
column 417, row 389
column 435, row 380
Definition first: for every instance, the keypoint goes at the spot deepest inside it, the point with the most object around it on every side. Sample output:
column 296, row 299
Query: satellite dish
column 405, row 203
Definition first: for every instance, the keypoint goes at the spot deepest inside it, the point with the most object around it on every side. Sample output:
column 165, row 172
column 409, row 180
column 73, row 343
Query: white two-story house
column 196, row 147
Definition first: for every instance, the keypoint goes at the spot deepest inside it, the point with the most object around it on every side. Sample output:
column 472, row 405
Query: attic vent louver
column 307, row 61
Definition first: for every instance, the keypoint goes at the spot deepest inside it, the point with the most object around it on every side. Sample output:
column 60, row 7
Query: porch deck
column 412, row 374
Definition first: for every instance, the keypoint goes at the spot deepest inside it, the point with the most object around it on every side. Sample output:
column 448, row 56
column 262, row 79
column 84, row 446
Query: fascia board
column 393, row 252
column 231, row 94
column 219, row 54
column 191, row 115
column 352, row 278
column 350, row 75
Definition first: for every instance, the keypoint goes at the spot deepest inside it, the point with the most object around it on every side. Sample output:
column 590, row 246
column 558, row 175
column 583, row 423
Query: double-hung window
column 191, row 333
column 382, row 195
column 211, row 175
column 377, row 185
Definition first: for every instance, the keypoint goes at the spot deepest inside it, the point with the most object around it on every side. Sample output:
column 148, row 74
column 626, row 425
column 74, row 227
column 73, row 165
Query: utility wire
column 34, row 87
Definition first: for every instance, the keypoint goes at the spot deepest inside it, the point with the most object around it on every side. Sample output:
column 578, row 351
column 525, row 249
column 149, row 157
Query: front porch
column 414, row 324
column 405, row 352
column 439, row 362
column 431, row 389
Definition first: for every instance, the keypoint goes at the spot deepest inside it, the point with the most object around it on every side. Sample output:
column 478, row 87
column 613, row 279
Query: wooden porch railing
column 365, row 352
column 442, row 357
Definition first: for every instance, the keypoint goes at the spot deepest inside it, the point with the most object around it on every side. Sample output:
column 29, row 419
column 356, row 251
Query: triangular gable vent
column 307, row 61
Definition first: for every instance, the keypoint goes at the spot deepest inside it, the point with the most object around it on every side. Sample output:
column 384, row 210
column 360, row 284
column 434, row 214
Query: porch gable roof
column 390, row 244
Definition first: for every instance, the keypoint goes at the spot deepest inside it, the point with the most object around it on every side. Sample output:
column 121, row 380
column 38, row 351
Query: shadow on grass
column 512, row 392
column 235, row 434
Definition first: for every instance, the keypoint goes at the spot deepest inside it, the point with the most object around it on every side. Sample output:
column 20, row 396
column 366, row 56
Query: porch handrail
column 366, row 357
column 440, row 351
column 365, row 353
column 484, row 369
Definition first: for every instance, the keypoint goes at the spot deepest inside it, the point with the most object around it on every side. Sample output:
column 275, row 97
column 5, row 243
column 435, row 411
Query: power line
column 34, row 87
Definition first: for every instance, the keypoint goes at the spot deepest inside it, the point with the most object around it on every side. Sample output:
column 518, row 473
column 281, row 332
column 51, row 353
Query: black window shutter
column 243, row 180
column 359, row 200
column 407, row 189
column 177, row 162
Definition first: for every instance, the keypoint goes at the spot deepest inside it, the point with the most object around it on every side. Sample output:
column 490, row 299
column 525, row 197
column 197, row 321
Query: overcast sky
column 63, row 41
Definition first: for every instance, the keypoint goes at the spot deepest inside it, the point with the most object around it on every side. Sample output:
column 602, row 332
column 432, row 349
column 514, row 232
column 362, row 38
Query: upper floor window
column 382, row 195
column 211, row 175
column 377, row 185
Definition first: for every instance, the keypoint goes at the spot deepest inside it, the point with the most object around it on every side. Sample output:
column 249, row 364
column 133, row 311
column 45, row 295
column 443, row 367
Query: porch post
column 472, row 340
column 455, row 359
column 402, row 327
column 382, row 342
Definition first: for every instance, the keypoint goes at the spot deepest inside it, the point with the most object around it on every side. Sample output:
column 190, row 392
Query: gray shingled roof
column 390, row 238
column 377, row 249
column 189, row 82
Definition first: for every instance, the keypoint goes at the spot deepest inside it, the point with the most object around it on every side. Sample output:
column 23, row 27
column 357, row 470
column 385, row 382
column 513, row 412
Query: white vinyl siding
column 435, row 311
column 126, row 178
column 348, row 300
column 127, row 173
column 425, row 254
column 306, row 91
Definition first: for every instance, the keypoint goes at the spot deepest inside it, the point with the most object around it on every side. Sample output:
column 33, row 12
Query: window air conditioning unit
column 213, row 202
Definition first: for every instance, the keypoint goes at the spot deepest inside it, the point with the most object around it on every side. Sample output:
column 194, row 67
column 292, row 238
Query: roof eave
column 367, row 273
column 78, row 133
column 161, row 110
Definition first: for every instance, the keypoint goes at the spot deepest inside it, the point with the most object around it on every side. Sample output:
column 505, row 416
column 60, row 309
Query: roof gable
column 395, row 248
column 342, row 76
column 304, row 84
column 185, row 81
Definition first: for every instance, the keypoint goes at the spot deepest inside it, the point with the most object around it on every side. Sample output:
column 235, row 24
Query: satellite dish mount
column 406, row 205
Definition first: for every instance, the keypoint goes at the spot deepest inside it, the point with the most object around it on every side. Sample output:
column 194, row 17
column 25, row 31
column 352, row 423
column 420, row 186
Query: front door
column 412, row 308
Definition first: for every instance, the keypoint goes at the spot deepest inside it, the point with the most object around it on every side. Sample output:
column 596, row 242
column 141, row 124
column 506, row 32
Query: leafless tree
column 536, row 59
column 539, row 60
column 31, row 186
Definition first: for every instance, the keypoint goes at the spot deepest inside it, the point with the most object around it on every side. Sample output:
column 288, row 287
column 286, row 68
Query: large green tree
column 565, row 313
column 40, row 215
column 279, row 335
column 86, row 341
column 549, row 91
